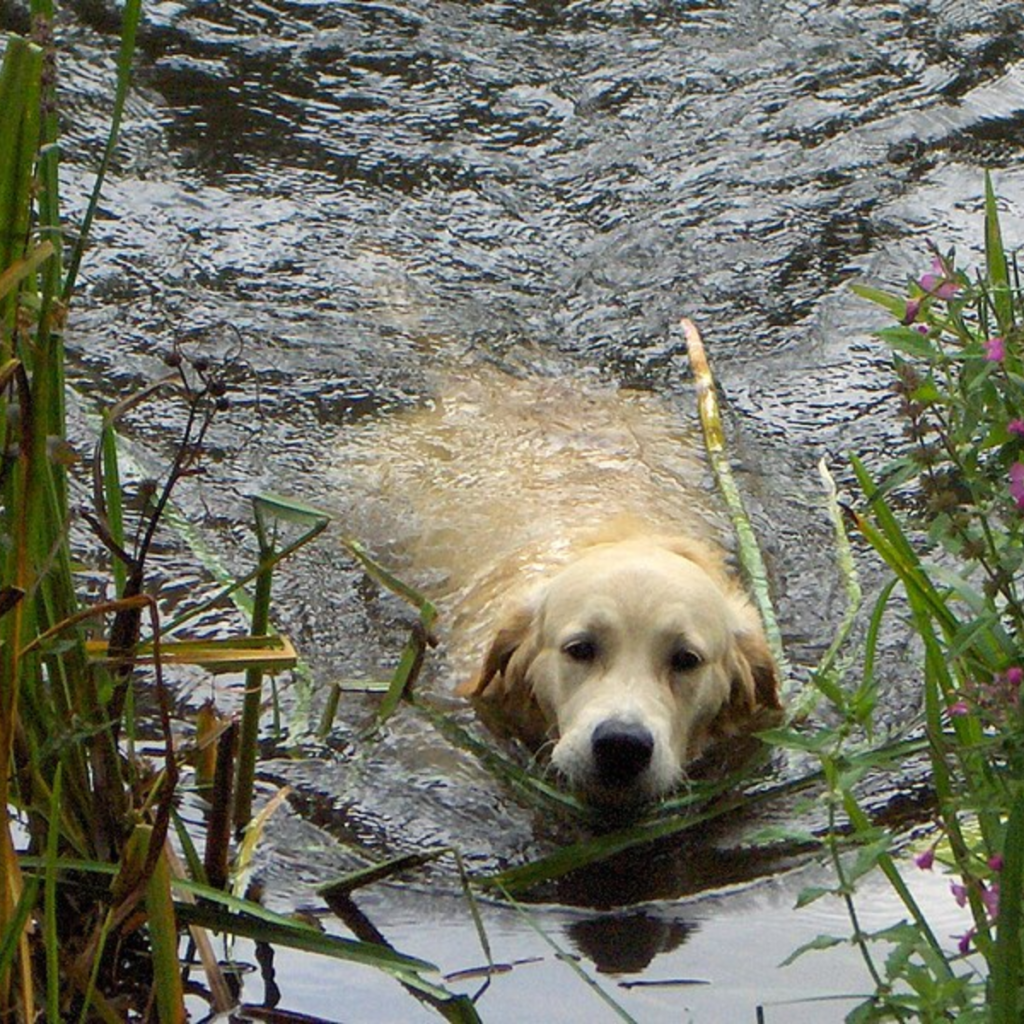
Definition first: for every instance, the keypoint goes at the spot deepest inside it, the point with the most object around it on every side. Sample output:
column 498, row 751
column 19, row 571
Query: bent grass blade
column 748, row 548
column 571, row 858
column 272, row 653
column 343, row 887
column 572, row 962
column 502, row 767
column 270, row 511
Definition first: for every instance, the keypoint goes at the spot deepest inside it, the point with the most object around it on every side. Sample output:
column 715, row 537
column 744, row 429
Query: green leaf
column 928, row 393
column 819, row 943
column 868, row 858
column 809, row 741
column 828, row 683
column 895, row 304
column 995, row 261
column 911, row 342
column 812, row 894
column 901, row 934
column 776, row 834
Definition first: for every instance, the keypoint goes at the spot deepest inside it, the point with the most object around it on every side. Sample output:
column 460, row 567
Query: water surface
column 365, row 192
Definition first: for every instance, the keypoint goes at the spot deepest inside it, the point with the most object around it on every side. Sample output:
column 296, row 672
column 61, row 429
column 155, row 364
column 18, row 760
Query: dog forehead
column 640, row 578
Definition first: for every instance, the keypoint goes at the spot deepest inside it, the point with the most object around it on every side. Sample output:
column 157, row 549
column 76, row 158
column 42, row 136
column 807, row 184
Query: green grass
column 97, row 817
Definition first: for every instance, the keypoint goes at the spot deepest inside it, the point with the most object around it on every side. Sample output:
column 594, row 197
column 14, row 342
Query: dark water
column 363, row 191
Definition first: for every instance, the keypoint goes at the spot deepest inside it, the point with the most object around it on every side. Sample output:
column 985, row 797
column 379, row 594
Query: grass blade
column 20, row 270
column 572, row 963
column 111, row 495
column 268, row 511
column 995, row 261
column 20, row 77
column 263, row 926
column 1006, row 962
column 748, row 548
column 51, row 940
column 163, row 936
column 535, row 789
column 130, row 15
column 412, row 656
column 601, row 847
column 376, row 873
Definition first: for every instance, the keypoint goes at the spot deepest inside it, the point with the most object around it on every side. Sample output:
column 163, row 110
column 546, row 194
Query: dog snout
column 621, row 751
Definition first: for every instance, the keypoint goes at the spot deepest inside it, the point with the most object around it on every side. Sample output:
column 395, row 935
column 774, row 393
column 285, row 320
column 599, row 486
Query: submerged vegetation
column 101, row 879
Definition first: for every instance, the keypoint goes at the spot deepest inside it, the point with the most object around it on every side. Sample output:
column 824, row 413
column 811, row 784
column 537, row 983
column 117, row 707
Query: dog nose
column 622, row 750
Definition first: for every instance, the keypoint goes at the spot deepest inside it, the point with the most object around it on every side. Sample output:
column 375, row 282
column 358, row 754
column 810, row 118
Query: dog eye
column 683, row 660
column 582, row 650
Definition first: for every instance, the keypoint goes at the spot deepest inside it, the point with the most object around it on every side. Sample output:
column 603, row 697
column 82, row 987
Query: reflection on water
column 712, row 958
column 626, row 942
column 364, row 191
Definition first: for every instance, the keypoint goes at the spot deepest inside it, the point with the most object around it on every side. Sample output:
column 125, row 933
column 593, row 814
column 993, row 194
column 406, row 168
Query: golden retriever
column 620, row 650
column 632, row 660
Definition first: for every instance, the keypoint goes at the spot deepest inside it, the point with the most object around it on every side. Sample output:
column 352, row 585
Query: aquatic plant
column 946, row 518
column 94, row 898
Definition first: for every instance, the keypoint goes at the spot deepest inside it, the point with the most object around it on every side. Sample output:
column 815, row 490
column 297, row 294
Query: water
column 369, row 193
column 711, row 958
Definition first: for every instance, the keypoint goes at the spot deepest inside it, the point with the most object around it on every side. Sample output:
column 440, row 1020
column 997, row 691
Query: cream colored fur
column 535, row 510
column 677, row 651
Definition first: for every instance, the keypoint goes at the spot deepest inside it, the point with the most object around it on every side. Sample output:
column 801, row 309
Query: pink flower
column 995, row 350
column 958, row 709
column 1014, row 676
column 1017, row 484
column 938, row 282
column 959, row 893
column 1016, row 427
column 913, row 308
column 925, row 859
column 995, row 862
column 964, row 943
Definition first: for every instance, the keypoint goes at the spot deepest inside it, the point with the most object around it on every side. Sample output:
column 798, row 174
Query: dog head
column 631, row 660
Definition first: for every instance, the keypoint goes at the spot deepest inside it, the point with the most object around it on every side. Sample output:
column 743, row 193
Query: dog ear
column 753, row 648
column 754, row 702
column 502, row 691
column 511, row 633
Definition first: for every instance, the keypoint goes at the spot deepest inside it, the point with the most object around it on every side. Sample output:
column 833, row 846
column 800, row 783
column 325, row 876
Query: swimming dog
column 566, row 532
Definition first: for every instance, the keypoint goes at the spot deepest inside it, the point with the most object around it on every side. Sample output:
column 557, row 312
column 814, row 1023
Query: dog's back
column 497, row 480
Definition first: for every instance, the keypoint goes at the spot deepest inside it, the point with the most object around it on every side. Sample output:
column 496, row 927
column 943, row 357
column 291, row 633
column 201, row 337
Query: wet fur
column 503, row 491
column 525, row 686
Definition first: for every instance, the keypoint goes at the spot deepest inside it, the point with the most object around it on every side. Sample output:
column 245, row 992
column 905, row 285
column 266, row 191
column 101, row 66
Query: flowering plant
column 956, row 548
column 959, row 364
